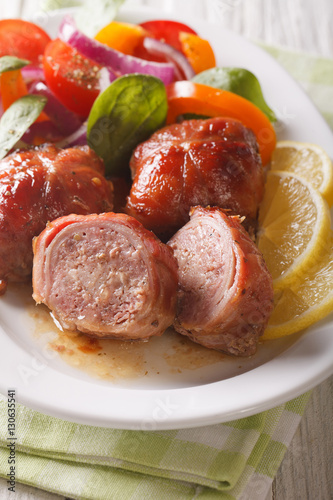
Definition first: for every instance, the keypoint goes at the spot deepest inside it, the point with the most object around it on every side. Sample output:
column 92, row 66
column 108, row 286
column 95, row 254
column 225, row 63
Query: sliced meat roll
column 225, row 294
column 105, row 275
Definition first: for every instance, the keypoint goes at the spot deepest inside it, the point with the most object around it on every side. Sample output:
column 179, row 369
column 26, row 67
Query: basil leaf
column 11, row 63
column 125, row 114
column 59, row 4
column 237, row 80
column 94, row 14
column 90, row 15
column 17, row 119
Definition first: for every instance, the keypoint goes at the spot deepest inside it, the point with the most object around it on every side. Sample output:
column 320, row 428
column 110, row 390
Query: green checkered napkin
column 315, row 74
column 235, row 460
column 225, row 461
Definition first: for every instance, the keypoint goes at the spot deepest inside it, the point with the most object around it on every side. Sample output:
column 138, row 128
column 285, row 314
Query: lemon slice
column 294, row 224
column 307, row 160
column 306, row 301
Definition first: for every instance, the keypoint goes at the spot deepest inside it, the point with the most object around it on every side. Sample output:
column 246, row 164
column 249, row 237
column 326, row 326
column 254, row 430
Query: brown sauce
column 114, row 359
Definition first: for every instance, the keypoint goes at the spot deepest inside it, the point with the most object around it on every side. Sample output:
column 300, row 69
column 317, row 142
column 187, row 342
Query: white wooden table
column 306, row 472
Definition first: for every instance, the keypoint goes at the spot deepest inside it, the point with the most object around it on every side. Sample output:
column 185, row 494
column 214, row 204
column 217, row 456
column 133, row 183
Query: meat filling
column 93, row 263
column 198, row 275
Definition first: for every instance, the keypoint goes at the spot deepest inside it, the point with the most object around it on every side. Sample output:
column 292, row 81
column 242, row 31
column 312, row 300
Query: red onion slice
column 78, row 138
column 106, row 56
column 173, row 55
column 46, row 130
column 66, row 121
column 32, row 73
column 106, row 77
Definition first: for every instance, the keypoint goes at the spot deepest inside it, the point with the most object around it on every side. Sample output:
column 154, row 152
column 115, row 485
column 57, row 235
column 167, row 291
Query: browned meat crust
column 39, row 185
column 198, row 162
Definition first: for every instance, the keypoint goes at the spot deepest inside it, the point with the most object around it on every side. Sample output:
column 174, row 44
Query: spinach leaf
column 17, row 119
column 125, row 114
column 11, row 63
column 237, row 80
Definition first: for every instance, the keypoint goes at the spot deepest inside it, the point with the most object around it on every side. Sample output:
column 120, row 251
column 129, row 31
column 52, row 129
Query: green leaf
column 125, row 114
column 17, row 119
column 11, row 63
column 91, row 15
column 95, row 14
column 59, row 4
column 239, row 81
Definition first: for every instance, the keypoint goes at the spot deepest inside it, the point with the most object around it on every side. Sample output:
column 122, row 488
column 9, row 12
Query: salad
column 70, row 78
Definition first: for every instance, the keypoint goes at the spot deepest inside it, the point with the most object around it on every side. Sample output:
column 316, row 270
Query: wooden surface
column 306, row 472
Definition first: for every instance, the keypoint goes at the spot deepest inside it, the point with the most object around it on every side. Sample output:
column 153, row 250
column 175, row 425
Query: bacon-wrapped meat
column 39, row 185
column 225, row 294
column 198, row 162
column 105, row 275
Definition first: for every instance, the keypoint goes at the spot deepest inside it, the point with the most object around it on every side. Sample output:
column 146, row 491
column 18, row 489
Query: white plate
column 229, row 389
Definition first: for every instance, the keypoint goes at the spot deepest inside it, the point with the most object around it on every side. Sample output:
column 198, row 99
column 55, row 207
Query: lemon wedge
column 307, row 300
column 307, row 160
column 294, row 225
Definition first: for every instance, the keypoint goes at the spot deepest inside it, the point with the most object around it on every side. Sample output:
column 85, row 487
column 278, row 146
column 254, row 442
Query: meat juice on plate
column 115, row 359
column 171, row 360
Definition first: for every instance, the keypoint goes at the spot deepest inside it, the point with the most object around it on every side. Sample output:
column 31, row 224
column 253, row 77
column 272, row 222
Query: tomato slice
column 164, row 30
column 72, row 77
column 167, row 31
column 22, row 39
